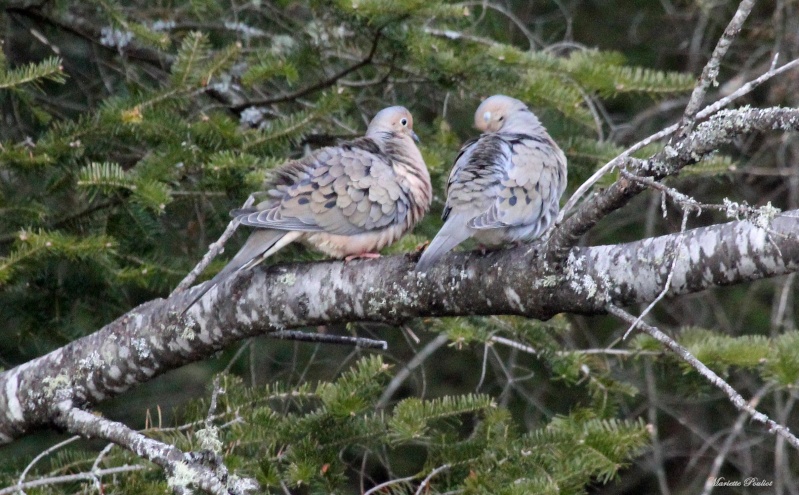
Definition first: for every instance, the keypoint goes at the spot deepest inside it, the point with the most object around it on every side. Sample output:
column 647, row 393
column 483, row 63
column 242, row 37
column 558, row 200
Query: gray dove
column 505, row 185
column 347, row 201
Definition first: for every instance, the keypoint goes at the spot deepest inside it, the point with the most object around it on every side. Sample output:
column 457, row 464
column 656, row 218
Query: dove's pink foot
column 362, row 256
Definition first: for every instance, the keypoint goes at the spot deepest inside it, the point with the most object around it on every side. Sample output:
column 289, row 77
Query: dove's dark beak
column 414, row 136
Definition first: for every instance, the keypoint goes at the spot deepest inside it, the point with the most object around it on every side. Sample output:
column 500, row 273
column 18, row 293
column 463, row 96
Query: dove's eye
column 500, row 119
column 404, row 122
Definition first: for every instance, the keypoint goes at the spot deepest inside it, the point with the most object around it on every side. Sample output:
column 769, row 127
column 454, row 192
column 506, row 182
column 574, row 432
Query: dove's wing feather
column 342, row 191
column 476, row 174
column 528, row 189
column 342, row 200
column 505, row 186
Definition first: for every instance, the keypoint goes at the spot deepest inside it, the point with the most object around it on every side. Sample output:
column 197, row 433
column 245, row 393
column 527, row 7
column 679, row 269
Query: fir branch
column 193, row 52
column 317, row 86
column 411, row 417
column 104, row 176
column 49, row 69
column 32, row 245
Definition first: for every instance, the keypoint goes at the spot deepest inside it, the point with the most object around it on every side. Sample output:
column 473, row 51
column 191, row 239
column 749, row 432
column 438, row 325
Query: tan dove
column 348, row 201
column 505, row 185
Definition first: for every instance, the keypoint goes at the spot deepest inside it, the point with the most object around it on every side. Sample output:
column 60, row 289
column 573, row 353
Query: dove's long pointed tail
column 261, row 244
column 451, row 234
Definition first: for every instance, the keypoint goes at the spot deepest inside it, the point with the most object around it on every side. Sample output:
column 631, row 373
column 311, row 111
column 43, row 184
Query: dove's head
column 498, row 111
column 396, row 121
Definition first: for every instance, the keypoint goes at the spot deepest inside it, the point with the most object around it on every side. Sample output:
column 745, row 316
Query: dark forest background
column 130, row 129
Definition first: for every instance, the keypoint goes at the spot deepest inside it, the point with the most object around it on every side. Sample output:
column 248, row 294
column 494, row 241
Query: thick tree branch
column 153, row 339
column 720, row 129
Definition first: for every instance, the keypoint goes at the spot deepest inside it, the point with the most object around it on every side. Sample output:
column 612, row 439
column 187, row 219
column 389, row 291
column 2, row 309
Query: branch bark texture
column 153, row 338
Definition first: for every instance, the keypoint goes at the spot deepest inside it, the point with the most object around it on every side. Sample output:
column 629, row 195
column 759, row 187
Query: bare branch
column 41, row 456
column 531, row 38
column 708, row 136
column 70, row 478
column 406, row 370
column 739, row 402
column 711, row 70
column 668, row 131
column 183, row 470
column 736, row 430
column 426, row 481
column 213, row 251
column 323, row 338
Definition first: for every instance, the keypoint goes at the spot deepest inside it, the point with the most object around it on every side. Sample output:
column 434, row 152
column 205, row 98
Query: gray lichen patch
column 182, row 476
column 287, row 279
column 405, row 297
column 57, row 386
column 514, row 299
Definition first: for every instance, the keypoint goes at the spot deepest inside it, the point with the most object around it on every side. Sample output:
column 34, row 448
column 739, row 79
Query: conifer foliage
column 130, row 129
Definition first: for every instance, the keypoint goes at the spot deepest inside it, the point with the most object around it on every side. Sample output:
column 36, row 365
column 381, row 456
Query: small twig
column 379, row 488
column 609, row 352
column 217, row 389
column 69, row 478
column 324, row 338
column 457, row 35
column 675, row 248
column 682, row 199
column 737, row 400
column 213, row 251
column 711, row 69
column 406, row 371
column 721, row 456
column 483, row 369
column 236, row 356
column 652, row 418
column 194, row 424
column 513, row 344
column 42, row 455
column 531, row 39
column 430, row 476
column 707, row 111
column 96, row 464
